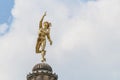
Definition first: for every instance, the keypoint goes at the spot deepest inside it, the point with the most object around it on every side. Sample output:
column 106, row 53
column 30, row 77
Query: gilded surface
column 43, row 34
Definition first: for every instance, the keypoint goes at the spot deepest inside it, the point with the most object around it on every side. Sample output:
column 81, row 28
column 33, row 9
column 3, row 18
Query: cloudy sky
column 85, row 34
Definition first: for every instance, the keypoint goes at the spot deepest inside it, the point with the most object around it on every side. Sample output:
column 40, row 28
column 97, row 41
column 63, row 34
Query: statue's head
column 47, row 24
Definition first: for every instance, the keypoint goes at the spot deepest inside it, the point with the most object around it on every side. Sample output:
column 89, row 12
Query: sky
column 5, row 15
column 85, row 35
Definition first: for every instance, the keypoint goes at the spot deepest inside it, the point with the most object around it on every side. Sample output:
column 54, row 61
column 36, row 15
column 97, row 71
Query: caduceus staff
column 44, row 32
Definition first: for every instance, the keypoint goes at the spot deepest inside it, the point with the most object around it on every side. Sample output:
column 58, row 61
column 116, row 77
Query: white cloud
column 3, row 28
column 85, row 38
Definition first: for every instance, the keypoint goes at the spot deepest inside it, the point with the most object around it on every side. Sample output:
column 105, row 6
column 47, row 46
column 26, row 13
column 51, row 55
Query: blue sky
column 5, row 15
column 5, row 11
column 85, row 34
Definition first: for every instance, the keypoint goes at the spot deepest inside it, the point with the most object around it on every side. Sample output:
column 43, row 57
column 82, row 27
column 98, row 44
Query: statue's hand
column 50, row 42
column 45, row 14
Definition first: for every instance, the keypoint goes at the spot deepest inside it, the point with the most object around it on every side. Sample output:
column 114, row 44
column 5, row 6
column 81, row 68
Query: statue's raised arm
column 41, row 21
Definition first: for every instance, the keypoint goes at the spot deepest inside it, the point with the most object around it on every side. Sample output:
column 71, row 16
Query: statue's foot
column 43, row 60
column 43, row 51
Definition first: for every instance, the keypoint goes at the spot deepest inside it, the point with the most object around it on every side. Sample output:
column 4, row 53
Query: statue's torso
column 42, row 33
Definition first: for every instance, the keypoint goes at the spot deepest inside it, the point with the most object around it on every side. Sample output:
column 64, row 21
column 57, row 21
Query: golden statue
column 44, row 31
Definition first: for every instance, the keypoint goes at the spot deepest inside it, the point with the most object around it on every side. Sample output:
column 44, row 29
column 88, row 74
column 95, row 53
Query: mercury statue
column 44, row 32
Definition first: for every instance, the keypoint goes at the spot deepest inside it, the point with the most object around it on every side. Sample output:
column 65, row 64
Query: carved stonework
column 42, row 71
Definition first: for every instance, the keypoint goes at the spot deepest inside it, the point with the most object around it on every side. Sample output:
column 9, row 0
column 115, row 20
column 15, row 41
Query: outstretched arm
column 40, row 24
column 48, row 36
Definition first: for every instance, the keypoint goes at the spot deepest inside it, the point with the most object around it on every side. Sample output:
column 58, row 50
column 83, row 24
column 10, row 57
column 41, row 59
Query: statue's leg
column 38, row 46
column 43, row 56
column 43, row 50
column 43, row 45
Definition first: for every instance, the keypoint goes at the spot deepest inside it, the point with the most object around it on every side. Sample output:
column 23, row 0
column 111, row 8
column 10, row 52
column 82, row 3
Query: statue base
column 42, row 71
